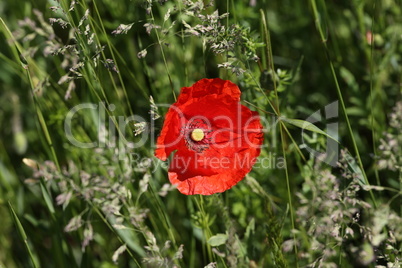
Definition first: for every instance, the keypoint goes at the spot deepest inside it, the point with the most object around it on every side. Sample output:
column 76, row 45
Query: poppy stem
column 204, row 225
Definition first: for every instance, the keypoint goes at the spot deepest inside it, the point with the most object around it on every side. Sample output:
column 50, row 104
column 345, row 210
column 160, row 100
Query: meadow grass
column 82, row 80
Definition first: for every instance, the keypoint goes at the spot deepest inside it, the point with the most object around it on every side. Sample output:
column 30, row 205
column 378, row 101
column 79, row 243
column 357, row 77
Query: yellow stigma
column 197, row 134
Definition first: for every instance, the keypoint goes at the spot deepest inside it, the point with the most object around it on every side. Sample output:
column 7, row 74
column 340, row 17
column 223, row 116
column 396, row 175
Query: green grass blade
column 306, row 125
column 45, row 131
column 270, row 65
column 22, row 234
column 18, row 50
column 270, row 58
column 47, row 198
column 340, row 96
column 373, row 133
column 291, row 209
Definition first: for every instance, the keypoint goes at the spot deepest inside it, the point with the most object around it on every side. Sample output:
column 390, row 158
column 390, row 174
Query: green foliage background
column 309, row 54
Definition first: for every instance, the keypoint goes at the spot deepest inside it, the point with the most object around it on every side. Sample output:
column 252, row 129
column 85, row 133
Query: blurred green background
column 59, row 54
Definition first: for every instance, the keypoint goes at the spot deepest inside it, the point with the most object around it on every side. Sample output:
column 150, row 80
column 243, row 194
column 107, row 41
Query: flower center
column 197, row 134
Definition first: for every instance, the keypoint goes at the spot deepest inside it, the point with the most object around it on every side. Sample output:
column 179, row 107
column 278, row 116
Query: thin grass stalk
column 22, row 234
column 162, row 210
column 17, row 51
column 340, row 97
column 270, row 65
column 107, row 223
column 132, row 76
column 400, row 191
column 270, row 62
column 45, row 130
column 276, row 115
column 164, row 58
column 373, row 133
column 110, row 46
column 31, row 67
column 183, row 45
column 291, row 210
column 199, row 200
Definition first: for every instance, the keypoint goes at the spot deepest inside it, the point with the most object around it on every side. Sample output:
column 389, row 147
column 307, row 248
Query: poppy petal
column 228, row 140
column 205, row 87
column 170, row 134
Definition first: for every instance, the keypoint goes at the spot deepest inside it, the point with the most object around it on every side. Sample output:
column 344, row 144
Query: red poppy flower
column 217, row 140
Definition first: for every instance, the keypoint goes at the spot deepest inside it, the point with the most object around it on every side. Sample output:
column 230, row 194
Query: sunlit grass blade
column 22, row 234
column 306, row 125
column 47, row 198
column 45, row 131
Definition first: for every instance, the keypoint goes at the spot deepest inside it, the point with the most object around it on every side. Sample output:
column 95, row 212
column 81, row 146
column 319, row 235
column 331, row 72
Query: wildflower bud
column 30, row 163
